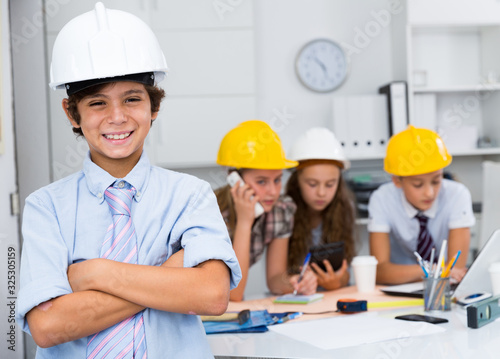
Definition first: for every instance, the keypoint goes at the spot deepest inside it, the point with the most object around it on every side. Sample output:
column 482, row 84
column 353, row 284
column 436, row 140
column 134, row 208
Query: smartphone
column 232, row 179
column 334, row 252
column 422, row 318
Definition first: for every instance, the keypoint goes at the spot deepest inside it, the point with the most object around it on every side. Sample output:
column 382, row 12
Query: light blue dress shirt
column 65, row 222
column 390, row 212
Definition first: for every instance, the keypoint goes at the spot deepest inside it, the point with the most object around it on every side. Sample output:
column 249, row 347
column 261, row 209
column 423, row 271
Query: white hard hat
column 318, row 143
column 104, row 44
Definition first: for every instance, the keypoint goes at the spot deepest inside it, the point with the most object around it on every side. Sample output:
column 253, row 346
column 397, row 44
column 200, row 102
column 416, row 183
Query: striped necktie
column 126, row 339
column 425, row 242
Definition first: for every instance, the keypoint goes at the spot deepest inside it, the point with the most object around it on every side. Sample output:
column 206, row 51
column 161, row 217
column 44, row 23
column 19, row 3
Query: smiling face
column 266, row 184
column 422, row 190
column 318, row 185
column 115, row 122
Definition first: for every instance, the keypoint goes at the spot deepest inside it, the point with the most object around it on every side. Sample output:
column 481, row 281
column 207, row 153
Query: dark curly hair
column 156, row 95
column 338, row 223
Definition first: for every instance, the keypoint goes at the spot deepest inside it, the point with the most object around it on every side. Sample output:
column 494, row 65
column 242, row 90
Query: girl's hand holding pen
column 307, row 285
column 305, row 282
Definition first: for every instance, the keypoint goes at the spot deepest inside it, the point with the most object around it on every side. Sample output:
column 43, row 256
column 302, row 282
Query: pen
column 419, row 259
column 304, row 267
column 289, row 317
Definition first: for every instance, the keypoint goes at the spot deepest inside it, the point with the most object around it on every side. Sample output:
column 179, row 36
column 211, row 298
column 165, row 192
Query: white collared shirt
column 66, row 221
column 390, row 212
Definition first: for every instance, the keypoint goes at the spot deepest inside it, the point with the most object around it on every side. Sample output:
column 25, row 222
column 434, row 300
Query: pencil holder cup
column 437, row 294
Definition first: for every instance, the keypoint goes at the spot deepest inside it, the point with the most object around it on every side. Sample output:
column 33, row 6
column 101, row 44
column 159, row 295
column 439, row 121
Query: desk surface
column 457, row 341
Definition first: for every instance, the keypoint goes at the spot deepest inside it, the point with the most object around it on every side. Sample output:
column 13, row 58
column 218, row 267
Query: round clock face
column 321, row 65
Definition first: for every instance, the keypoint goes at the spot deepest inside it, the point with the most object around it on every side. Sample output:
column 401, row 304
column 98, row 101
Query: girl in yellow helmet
column 418, row 209
column 325, row 206
column 254, row 151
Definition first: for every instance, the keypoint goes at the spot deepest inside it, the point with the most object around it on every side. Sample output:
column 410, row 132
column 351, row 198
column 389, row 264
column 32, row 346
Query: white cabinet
column 209, row 48
column 453, row 12
column 189, row 130
column 453, row 71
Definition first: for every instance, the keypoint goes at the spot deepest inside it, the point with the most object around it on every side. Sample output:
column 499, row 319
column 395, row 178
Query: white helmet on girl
column 105, row 45
column 318, row 143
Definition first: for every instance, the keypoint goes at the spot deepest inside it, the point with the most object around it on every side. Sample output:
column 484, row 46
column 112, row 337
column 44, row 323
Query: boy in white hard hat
column 120, row 257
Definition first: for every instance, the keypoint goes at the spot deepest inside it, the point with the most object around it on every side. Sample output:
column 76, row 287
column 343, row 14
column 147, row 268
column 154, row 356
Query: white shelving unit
column 452, row 67
column 453, row 71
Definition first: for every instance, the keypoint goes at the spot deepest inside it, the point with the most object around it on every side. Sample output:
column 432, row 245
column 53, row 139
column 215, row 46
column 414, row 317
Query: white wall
column 282, row 27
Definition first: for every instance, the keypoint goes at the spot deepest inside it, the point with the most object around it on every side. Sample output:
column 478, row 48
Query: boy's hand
column 84, row 275
column 456, row 274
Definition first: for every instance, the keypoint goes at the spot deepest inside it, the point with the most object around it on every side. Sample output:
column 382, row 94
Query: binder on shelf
column 360, row 124
column 397, row 105
column 424, row 106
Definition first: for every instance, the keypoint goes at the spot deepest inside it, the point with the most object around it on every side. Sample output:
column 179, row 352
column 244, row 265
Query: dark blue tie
column 425, row 242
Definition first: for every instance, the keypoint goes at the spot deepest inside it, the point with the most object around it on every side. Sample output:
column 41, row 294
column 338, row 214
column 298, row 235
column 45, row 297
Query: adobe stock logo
column 380, row 19
column 31, row 27
column 221, row 7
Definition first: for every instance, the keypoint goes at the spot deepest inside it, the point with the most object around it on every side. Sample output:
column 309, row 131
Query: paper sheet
column 353, row 330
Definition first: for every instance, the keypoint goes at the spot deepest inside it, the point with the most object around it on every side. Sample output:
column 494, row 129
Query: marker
column 289, row 317
column 302, row 272
column 421, row 262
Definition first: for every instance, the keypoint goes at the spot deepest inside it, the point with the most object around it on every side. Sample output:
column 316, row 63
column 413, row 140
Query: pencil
column 450, row 265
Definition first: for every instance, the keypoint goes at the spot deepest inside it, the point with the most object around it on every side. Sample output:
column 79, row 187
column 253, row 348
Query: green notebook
column 298, row 299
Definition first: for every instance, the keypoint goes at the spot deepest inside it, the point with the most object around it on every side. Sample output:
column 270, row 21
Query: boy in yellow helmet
column 254, row 151
column 418, row 209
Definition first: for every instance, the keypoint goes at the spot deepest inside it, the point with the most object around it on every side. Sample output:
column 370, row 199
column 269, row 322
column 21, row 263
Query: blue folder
column 258, row 322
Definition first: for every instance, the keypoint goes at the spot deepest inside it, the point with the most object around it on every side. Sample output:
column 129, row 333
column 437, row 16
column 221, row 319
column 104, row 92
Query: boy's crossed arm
column 107, row 292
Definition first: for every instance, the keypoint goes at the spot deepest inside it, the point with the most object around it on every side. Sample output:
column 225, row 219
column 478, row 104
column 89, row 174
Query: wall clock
column 321, row 65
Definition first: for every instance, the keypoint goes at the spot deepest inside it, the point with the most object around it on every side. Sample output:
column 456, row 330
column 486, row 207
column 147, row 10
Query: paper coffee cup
column 365, row 272
column 494, row 270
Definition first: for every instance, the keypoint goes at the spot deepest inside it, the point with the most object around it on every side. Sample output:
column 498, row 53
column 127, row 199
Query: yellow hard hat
column 253, row 144
column 415, row 151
